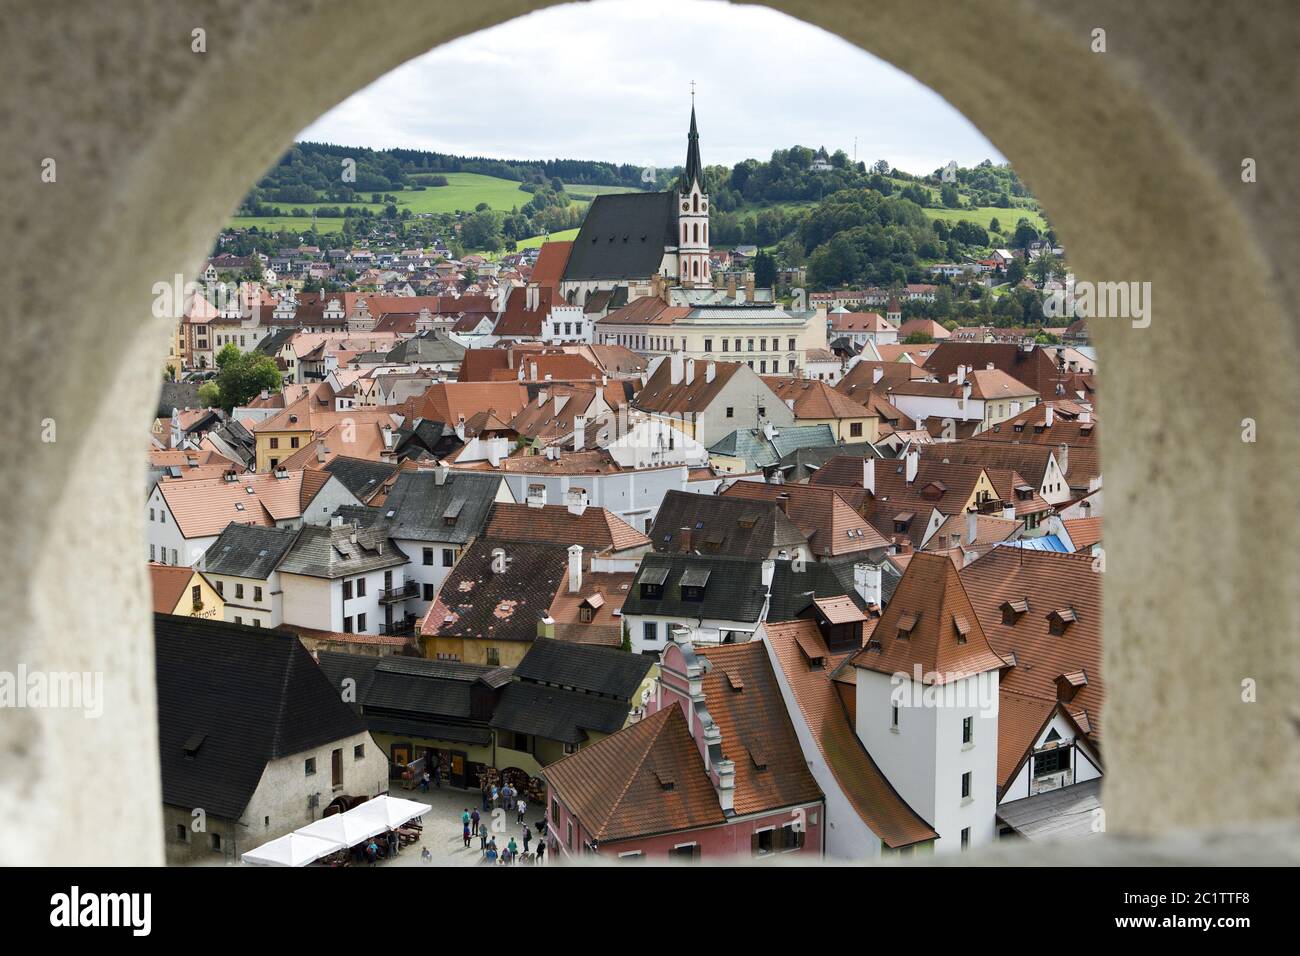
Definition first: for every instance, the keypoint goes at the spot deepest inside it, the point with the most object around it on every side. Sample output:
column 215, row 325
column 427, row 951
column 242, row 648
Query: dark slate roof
column 694, row 170
column 623, row 237
column 608, row 671
column 272, row 344
column 361, row 476
column 799, row 465
column 237, row 697
column 734, row 591
column 248, row 551
column 177, row 395
column 427, row 347
column 330, row 552
column 556, row 714
column 502, row 605
column 418, row 505
column 737, row 527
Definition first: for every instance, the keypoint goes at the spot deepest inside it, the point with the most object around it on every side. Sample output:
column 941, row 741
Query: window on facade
column 257, row 593
column 967, row 729
column 293, row 442
column 763, row 842
column 493, row 657
column 196, row 595
column 309, row 766
column 965, row 837
column 359, row 752
column 650, row 630
column 239, row 592
column 1051, row 761
column 893, row 716
column 690, row 851
column 428, row 556
column 965, row 785
column 708, row 345
column 426, row 592
column 275, row 443
column 751, row 345
column 855, row 429
column 792, row 836
column 347, row 590
column 216, row 841
column 347, row 625
column 790, row 348
column 448, row 557
column 568, row 835
column 361, row 622
column 361, row 587
column 731, row 412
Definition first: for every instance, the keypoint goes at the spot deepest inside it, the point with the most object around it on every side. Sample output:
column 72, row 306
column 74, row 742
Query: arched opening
column 1116, row 196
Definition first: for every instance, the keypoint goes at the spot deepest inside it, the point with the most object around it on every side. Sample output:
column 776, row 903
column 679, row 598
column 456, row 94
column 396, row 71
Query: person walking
column 493, row 793
column 473, row 821
column 528, row 834
column 464, row 823
column 482, row 836
column 424, row 781
column 513, row 849
column 541, row 849
column 522, row 805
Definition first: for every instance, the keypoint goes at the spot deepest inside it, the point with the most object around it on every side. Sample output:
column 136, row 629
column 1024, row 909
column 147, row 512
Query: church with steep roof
column 632, row 244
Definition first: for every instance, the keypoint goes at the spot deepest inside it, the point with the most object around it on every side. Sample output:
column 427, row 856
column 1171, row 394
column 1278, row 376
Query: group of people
column 381, row 847
column 472, row 824
column 505, row 796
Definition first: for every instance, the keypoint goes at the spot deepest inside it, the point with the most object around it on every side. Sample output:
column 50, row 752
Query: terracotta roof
column 815, row 399
column 1046, row 582
column 922, row 624
column 868, row 791
column 204, row 507
column 646, row 779
column 596, row 529
column 552, row 259
column 169, row 584
column 476, row 601
column 744, row 700
column 829, row 522
column 1084, row 532
column 662, row 397
column 449, row 401
column 1033, row 367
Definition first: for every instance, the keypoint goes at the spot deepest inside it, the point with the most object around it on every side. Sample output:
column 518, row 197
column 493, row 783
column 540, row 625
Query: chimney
column 266, row 393
column 710, row 371
column 1063, row 457
column 989, row 366
column 579, row 432
column 726, row 785
column 1009, row 512
column 494, row 451
column 1049, row 416
column 533, row 373
column 972, row 527
column 769, row 572
column 866, row 581
column 1085, row 417
column 783, row 502
column 536, row 496
column 877, row 374
column 869, row 474
column 575, row 568
column 388, row 435
column 575, row 499
column 961, row 373
column 440, row 475
column 690, row 371
column 336, row 521
column 749, row 286
column 912, row 460
column 965, row 393
column 676, row 368
column 460, row 427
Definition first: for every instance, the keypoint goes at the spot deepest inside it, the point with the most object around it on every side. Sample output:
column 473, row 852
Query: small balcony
column 399, row 628
column 399, row 593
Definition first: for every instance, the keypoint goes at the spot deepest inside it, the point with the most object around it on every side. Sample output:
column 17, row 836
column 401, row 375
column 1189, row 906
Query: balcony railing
column 403, row 626
column 398, row 593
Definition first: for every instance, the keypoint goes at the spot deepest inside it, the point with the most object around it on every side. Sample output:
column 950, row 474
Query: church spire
column 694, row 168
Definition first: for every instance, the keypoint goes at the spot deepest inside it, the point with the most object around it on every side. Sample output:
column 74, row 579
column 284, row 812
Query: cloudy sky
column 610, row 80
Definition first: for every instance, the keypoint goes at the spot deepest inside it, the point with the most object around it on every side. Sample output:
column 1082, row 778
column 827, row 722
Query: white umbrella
column 391, row 812
column 292, row 849
column 346, row 828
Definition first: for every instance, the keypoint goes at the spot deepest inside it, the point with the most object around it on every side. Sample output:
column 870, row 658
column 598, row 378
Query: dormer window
column 1060, row 619
column 906, row 624
column 1011, row 611
column 962, row 626
column 652, row 583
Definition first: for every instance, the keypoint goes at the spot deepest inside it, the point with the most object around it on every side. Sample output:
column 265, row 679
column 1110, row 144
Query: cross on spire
column 692, row 93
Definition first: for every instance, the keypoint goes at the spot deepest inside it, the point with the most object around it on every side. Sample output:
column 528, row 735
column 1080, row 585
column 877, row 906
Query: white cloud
column 611, row 81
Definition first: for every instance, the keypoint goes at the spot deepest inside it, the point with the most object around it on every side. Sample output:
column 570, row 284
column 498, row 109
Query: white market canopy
column 390, row 812
column 338, row 832
column 292, row 849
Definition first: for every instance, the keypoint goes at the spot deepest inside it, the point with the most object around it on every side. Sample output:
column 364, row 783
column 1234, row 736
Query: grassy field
column 463, row 192
column 562, row 236
column 582, row 191
column 1007, row 218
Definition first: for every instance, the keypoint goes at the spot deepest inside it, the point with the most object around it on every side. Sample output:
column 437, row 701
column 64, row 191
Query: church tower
column 693, row 217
